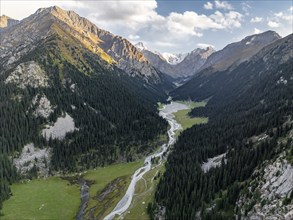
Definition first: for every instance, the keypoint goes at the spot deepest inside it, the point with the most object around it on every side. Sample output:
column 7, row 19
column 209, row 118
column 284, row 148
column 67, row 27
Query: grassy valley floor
column 56, row 198
column 183, row 118
column 52, row 198
column 144, row 194
column 109, row 186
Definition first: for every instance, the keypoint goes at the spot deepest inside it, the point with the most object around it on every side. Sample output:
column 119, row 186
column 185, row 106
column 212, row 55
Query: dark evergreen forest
column 116, row 115
column 246, row 102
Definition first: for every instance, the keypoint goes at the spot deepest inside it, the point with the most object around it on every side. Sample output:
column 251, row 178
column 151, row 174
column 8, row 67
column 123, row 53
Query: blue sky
column 173, row 26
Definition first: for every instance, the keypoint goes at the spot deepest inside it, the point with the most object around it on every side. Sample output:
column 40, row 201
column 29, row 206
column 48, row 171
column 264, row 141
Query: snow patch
column 213, row 162
column 28, row 74
column 60, row 128
column 251, row 41
column 174, row 59
column 31, row 156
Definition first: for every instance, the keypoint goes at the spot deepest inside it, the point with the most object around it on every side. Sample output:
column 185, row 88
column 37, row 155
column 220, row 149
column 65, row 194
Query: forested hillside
column 113, row 116
column 252, row 101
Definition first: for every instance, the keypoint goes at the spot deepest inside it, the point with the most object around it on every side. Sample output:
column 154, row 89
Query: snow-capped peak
column 140, row 46
column 174, row 59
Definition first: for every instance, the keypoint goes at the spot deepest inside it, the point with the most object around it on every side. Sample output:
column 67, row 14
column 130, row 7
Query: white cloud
column 287, row 17
column 291, row 8
column 204, row 46
column 246, row 7
column 223, row 5
column 164, row 44
column 256, row 20
column 126, row 14
column 133, row 37
column 229, row 20
column 208, row 6
column 273, row 24
column 257, row 31
column 190, row 23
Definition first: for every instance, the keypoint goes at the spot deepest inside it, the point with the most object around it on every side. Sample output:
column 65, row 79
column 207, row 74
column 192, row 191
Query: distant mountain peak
column 203, row 52
column 238, row 52
column 113, row 49
column 50, row 9
column 267, row 36
column 140, row 46
column 174, row 59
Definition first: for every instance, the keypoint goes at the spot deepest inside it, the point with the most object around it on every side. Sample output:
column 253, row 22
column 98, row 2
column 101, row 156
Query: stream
column 84, row 196
column 167, row 113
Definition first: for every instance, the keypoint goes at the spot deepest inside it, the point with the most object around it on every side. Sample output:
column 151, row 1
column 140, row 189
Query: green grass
column 186, row 121
column 62, row 200
column 193, row 104
column 52, row 198
column 144, row 194
column 120, row 175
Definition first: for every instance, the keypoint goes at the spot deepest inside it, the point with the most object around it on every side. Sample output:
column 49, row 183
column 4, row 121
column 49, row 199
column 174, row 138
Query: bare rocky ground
column 28, row 74
column 272, row 185
column 60, row 128
column 213, row 162
column 32, row 156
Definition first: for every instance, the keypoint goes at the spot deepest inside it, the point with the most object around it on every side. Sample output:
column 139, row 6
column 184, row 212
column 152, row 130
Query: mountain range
column 185, row 66
column 86, row 98
column 177, row 66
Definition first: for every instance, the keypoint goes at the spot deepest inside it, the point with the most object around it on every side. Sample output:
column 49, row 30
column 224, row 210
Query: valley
column 106, row 185
column 174, row 115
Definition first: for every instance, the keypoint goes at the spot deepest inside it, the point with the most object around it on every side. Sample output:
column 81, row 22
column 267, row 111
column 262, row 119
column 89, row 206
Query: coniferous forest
column 58, row 66
column 115, row 115
column 238, row 110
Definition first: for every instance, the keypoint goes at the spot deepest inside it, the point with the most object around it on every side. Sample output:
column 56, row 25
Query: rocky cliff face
column 270, row 192
column 6, row 21
column 47, row 21
column 194, row 61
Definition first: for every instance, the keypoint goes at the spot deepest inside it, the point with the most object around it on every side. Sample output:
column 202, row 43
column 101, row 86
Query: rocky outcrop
column 42, row 105
column 60, row 128
column 6, row 21
column 32, row 156
column 28, row 74
column 271, row 188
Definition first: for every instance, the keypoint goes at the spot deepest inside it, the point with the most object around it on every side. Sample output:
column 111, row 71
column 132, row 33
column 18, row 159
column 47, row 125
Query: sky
column 173, row 26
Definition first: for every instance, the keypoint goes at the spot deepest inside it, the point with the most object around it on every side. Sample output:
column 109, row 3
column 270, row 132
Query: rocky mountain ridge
column 178, row 66
column 238, row 52
column 47, row 21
